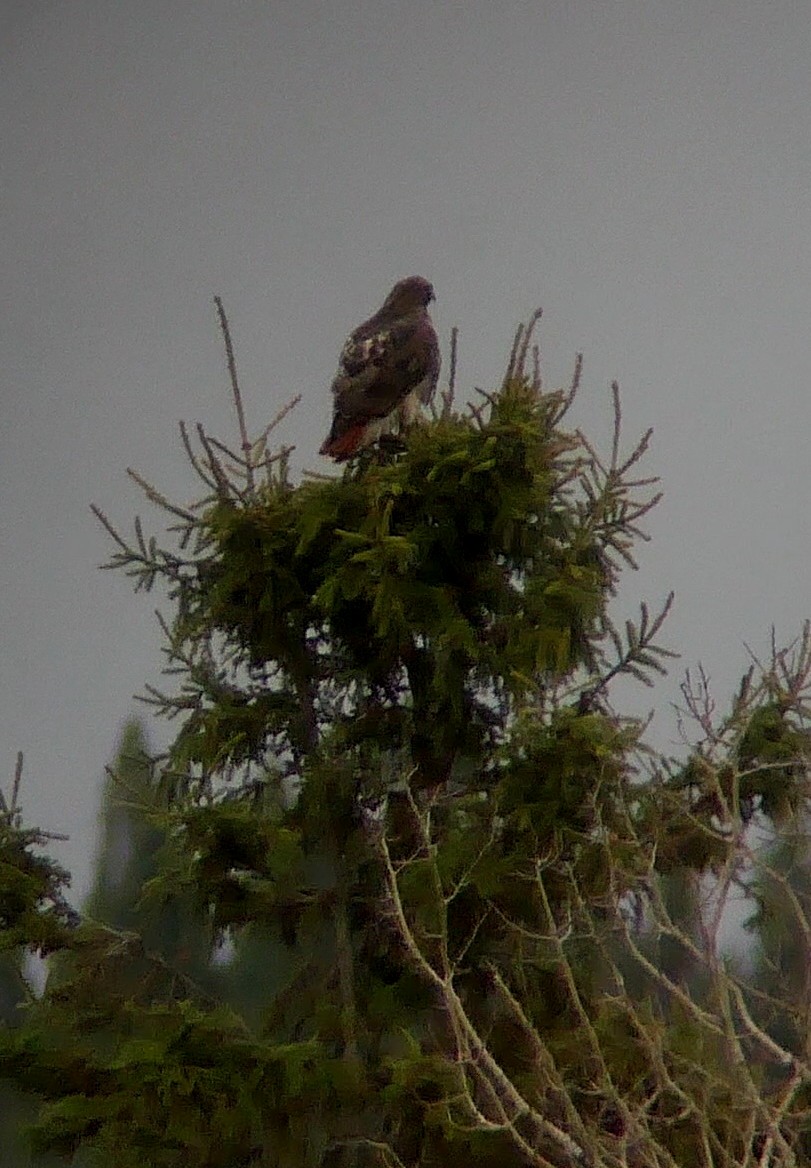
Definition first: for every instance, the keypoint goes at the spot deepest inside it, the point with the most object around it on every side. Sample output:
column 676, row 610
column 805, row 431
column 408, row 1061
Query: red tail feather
column 343, row 446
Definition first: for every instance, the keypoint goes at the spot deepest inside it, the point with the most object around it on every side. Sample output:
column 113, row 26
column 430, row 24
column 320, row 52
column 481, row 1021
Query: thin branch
column 15, row 789
column 449, row 394
column 225, row 489
column 193, row 459
column 282, row 413
column 160, row 500
column 107, row 525
column 521, row 365
column 232, row 373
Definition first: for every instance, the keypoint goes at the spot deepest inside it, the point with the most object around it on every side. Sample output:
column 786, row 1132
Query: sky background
column 642, row 170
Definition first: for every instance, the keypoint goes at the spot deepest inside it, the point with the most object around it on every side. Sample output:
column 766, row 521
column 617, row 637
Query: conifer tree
column 129, row 859
column 492, row 914
column 781, row 957
column 171, row 928
column 21, row 875
column 14, row 1111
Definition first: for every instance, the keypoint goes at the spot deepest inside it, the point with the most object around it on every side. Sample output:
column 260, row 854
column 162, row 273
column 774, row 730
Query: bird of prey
column 388, row 366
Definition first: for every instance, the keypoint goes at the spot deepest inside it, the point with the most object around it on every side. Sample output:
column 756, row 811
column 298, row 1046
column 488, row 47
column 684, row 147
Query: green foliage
column 771, row 757
column 466, row 905
column 33, row 909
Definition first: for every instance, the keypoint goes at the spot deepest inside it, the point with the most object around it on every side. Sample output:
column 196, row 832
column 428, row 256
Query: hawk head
column 406, row 295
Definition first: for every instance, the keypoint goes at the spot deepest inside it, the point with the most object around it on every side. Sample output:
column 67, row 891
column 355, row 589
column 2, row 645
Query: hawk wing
column 376, row 371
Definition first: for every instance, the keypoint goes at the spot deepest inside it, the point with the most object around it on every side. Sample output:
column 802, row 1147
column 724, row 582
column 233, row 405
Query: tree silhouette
column 130, row 859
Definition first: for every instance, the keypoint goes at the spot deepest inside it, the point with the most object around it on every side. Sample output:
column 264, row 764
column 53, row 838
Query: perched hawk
column 388, row 366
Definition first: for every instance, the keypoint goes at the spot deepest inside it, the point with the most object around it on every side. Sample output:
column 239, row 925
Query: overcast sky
column 642, row 170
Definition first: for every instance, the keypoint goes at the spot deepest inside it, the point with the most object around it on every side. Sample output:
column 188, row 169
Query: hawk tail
column 343, row 445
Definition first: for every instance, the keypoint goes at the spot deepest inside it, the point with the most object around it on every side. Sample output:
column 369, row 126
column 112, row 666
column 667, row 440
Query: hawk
column 388, row 366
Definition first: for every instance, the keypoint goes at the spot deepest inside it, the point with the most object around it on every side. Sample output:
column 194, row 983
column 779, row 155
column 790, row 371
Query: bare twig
column 521, row 364
column 193, row 459
column 283, row 412
column 225, row 488
column 232, row 372
column 156, row 497
column 449, row 394
column 15, row 788
column 108, row 527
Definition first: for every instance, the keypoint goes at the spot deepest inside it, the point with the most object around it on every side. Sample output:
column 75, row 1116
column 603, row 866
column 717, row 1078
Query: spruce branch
column 516, row 366
column 226, row 489
column 144, row 561
column 197, row 465
column 278, row 418
column 160, row 500
column 638, row 655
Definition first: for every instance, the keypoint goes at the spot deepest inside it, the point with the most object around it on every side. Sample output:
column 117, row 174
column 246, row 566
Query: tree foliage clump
column 491, row 916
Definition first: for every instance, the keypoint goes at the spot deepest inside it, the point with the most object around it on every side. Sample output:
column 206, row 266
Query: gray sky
column 640, row 169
